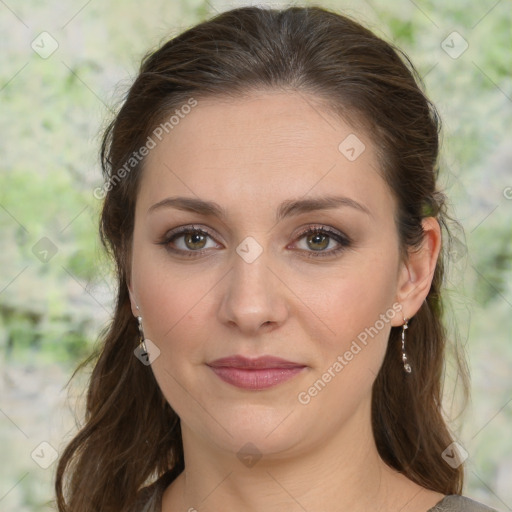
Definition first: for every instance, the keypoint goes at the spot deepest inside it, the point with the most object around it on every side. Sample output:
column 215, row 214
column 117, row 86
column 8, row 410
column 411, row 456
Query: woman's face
column 250, row 282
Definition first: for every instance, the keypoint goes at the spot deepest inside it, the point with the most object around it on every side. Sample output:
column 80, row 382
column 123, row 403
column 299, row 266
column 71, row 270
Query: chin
column 255, row 431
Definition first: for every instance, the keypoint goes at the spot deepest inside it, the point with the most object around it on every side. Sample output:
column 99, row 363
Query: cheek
column 355, row 309
column 350, row 299
column 172, row 303
column 178, row 309
column 174, row 307
column 359, row 311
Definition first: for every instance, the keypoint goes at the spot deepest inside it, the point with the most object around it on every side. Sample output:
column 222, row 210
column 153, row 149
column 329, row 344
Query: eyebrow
column 287, row 208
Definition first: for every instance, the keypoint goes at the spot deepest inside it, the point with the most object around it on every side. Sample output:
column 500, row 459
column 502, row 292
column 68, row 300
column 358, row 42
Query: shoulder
column 456, row 503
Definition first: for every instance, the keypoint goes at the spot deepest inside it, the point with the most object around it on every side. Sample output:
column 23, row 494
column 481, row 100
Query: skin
column 249, row 156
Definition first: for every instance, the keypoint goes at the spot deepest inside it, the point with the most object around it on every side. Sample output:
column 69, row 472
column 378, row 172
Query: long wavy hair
column 131, row 436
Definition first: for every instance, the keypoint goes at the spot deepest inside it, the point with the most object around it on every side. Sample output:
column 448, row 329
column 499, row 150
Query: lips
column 255, row 374
column 253, row 364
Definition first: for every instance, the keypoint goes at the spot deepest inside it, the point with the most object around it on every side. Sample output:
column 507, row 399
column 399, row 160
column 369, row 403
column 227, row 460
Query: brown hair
column 131, row 435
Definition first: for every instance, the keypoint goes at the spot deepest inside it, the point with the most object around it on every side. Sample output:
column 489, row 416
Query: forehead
column 260, row 149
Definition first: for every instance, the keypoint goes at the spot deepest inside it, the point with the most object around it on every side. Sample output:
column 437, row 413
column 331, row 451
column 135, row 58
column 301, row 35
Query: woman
column 277, row 343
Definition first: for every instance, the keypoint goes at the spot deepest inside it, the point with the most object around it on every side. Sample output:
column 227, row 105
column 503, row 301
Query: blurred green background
column 64, row 67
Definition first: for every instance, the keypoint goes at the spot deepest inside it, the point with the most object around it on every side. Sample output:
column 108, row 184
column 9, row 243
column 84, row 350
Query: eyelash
column 340, row 238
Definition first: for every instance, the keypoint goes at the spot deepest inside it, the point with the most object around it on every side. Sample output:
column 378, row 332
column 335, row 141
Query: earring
column 142, row 344
column 407, row 366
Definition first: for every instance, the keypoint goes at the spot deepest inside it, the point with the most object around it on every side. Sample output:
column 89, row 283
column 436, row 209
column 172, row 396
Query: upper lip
column 257, row 363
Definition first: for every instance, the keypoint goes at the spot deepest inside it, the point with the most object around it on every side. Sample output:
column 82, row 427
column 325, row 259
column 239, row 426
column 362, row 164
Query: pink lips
column 260, row 373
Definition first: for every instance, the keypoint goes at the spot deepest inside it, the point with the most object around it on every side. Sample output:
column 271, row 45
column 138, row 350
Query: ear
column 416, row 274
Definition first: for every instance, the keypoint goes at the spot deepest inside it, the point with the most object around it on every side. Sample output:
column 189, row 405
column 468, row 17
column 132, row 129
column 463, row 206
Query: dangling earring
column 407, row 366
column 142, row 344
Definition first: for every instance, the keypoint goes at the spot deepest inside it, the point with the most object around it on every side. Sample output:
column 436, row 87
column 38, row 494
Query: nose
column 254, row 300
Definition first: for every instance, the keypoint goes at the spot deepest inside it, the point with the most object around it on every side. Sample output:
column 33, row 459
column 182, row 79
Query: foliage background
column 55, row 283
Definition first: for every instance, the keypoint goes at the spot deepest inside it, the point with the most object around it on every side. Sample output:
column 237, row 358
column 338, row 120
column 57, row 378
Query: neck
column 345, row 473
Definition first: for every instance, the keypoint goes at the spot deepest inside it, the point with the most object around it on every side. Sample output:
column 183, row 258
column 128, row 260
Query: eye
column 191, row 241
column 318, row 239
column 187, row 240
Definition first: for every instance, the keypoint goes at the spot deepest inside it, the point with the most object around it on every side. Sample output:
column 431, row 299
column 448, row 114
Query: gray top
column 150, row 500
column 454, row 503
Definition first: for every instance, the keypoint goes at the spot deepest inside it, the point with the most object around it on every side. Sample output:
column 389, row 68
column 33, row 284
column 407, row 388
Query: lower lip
column 262, row 378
